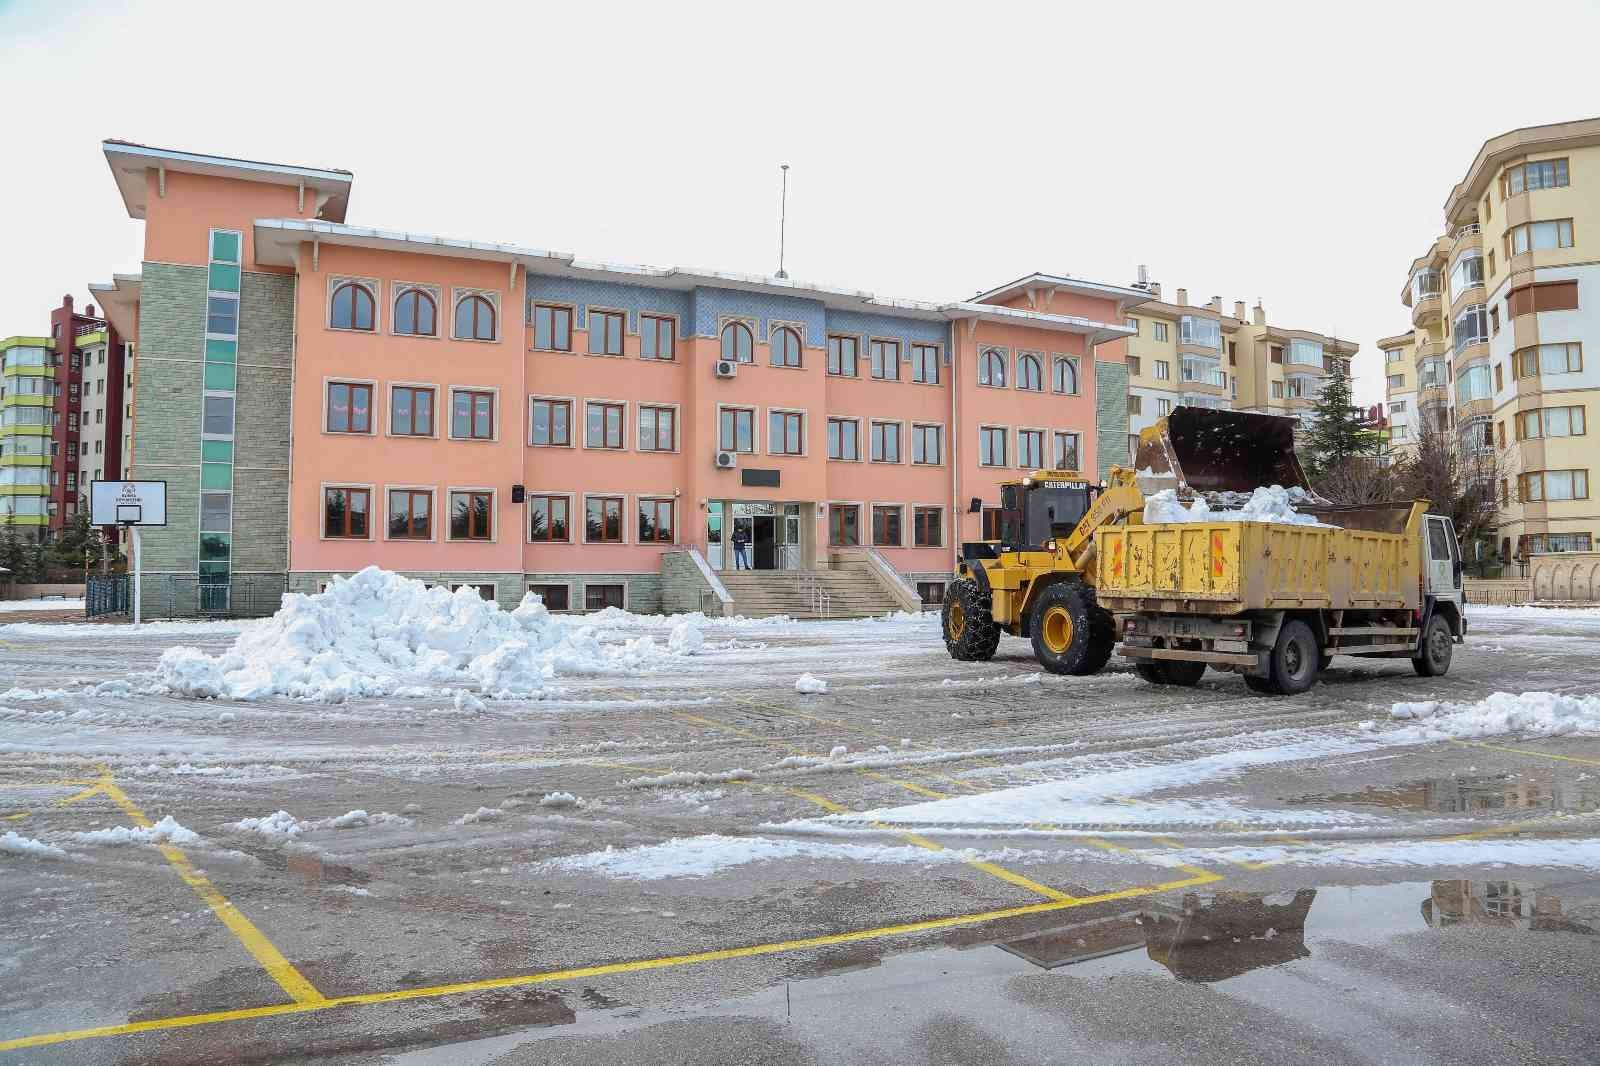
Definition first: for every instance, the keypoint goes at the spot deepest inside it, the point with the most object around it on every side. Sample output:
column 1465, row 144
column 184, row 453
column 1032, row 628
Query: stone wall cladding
column 643, row 595
column 167, row 446
column 684, row 588
column 266, row 320
column 1110, row 415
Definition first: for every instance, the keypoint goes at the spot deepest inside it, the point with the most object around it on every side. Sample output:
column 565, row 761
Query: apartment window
column 843, row 353
column 927, row 445
column 786, row 433
column 217, row 419
column 1494, row 321
column 1399, row 432
column 1545, row 296
column 925, row 364
column 471, row 515
column 548, row 518
column 415, row 314
column 554, row 597
column 1029, row 374
column 1526, row 177
column 1134, row 366
column 471, row 414
column 1233, row 353
column 844, row 438
column 785, row 346
column 657, row 337
column 1555, row 485
column 349, row 408
column 1539, row 236
column 72, row 390
column 1472, row 383
column 1133, row 324
column 602, row 424
column 1135, row 404
column 844, row 524
column 1499, row 378
column 1550, row 543
column 1066, row 451
column 76, row 361
column 222, row 315
column 1542, row 359
column 411, row 411
column 992, row 368
column 1159, row 330
column 344, row 512
column 1550, row 422
column 887, row 531
column 885, row 442
column 1395, row 381
column 1275, row 353
column 1064, row 376
column 991, row 523
column 1133, row 446
column 927, row 527
column 475, row 318
column 992, row 445
column 599, row 597
column 738, row 343
column 1163, row 370
column 655, row 522
column 410, row 514
column 1030, row 448
column 605, row 332
column 1164, row 408
column 737, row 432
column 552, row 328
column 552, row 423
column 72, row 481
column 658, row 429
column 1393, row 355
column 885, row 359
column 352, row 308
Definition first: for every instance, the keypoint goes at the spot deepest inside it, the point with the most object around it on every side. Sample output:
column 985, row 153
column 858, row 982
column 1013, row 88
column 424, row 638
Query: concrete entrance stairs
column 848, row 593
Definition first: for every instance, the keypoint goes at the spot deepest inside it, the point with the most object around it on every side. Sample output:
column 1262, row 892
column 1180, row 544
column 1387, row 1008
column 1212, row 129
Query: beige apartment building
column 1198, row 355
column 1505, row 316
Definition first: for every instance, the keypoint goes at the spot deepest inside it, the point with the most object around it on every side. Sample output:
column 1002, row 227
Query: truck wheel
column 970, row 634
column 1063, row 629
column 1263, row 685
column 1151, row 672
column 1295, row 658
column 1183, row 672
column 1434, row 655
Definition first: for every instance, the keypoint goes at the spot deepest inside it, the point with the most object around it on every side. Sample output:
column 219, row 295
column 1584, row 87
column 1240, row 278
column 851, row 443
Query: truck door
column 1444, row 561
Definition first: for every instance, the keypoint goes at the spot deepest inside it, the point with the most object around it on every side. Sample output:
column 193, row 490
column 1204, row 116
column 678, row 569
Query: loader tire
column 1102, row 637
column 1064, row 628
column 970, row 634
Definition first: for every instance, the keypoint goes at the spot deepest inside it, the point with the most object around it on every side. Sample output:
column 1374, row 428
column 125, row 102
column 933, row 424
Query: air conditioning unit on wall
column 727, row 460
column 726, row 368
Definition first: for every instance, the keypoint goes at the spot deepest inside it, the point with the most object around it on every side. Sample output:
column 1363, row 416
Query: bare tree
column 1460, row 479
column 1360, row 480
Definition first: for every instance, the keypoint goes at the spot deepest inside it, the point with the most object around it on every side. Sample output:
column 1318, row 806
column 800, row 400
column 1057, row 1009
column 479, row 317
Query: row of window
column 1551, row 485
column 994, row 372
column 353, row 304
column 994, row 448
column 888, row 525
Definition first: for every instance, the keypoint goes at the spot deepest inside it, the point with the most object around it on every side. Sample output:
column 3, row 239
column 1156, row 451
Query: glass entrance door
column 714, row 535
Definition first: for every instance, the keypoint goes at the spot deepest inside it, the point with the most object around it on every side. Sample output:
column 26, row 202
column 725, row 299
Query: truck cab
column 1443, row 593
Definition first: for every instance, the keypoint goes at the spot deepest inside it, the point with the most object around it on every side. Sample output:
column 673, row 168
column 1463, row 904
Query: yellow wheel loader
column 1038, row 580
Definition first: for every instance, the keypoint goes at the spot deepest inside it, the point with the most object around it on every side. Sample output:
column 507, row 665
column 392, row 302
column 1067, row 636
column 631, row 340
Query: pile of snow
column 482, row 814
column 808, row 685
column 29, row 695
column 559, row 800
column 381, row 634
column 281, row 825
column 1270, row 503
column 166, row 831
column 1544, row 714
column 13, row 843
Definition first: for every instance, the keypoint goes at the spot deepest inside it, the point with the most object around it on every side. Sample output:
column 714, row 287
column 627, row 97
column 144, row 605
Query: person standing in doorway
column 741, row 548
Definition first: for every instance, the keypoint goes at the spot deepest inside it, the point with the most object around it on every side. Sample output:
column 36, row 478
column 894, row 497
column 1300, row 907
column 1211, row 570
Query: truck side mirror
column 976, row 506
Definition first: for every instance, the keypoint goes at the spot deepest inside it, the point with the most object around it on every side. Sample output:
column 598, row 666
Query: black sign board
column 760, row 479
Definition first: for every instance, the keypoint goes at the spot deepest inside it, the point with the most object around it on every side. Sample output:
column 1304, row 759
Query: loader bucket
column 1198, row 450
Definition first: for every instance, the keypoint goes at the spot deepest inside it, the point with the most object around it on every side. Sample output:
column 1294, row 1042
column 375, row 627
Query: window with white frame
column 927, row 444
column 992, row 445
column 1030, row 448
column 844, row 438
column 1065, row 450
column 1030, row 376
column 992, row 368
column 786, row 432
column 1064, row 376
column 658, row 428
column 736, row 429
column 885, row 442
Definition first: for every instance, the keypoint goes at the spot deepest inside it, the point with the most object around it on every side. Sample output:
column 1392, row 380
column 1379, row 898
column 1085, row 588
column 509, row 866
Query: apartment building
column 1505, row 310
column 1400, row 386
column 1182, row 354
column 321, row 396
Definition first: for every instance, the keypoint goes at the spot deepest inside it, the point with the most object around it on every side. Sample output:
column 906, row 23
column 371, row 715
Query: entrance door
column 714, row 536
column 765, row 542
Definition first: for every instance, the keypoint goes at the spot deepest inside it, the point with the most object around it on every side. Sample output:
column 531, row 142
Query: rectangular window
column 599, row 597
column 1555, row 485
column 927, row 445
column 344, row 513
column 72, row 481
column 843, row 353
column 885, row 360
column 218, row 417
column 992, row 445
column 72, row 390
column 1066, row 451
column 927, row 527
column 552, row 423
column 410, row 514
column 786, row 433
column 887, row 530
column 605, row 332
column 552, row 328
column 1135, row 404
column 471, row 414
column 216, row 512
column 1163, row 370
column 1545, row 296
column 1163, row 408
column 655, row 522
column 602, row 520
column 349, row 408
column 1526, row 177
column 548, row 518
column 411, row 411
column 886, row 442
column 844, row 524
column 1277, row 387
column 844, row 438
column 1159, row 330
column 925, row 363
column 222, row 315
column 1551, row 422
column 1133, row 324
column 991, row 523
column 471, row 515
column 1539, row 236
column 1030, row 448
column 737, row 431
column 554, row 597
column 658, row 337
column 224, row 246
column 1499, row 378
column 1134, row 366
column 1545, row 359
column 931, row 593
column 602, row 425
column 658, row 429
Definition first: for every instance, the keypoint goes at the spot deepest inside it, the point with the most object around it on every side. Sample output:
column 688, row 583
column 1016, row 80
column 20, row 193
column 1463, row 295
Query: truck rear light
column 1238, row 629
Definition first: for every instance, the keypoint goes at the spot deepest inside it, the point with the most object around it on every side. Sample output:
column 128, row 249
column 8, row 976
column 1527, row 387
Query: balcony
column 1468, row 236
column 1433, row 393
column 1426, row 309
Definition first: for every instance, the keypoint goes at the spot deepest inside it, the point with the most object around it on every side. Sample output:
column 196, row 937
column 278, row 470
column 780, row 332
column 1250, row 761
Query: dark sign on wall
column 760, row 479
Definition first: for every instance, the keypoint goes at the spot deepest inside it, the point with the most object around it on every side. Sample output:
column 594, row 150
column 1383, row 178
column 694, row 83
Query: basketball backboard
column 128, row 503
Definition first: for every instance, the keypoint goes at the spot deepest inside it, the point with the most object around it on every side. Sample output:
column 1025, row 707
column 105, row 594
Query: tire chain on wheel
column 981, row 636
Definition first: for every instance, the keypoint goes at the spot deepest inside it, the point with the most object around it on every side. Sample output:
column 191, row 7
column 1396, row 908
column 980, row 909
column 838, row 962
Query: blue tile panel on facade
column 1110, row 414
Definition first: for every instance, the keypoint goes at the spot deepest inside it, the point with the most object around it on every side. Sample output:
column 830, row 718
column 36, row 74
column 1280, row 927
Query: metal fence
column 189, row 596
column 107, row 595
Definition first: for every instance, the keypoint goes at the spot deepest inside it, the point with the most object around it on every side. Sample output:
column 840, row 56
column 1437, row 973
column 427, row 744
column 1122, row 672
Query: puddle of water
column 1468, row 795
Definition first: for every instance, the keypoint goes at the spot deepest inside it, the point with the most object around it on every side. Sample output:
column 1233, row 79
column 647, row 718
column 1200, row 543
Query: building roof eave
column 129, row 163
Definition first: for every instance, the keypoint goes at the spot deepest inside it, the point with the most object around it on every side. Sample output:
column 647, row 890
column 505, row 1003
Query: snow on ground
column 166, row 831
column 1435, row 854
column 13, row 843
column 808, row 685
column 1270, row 503
column 1540, row 714
column 8, row 606
column 281, row 825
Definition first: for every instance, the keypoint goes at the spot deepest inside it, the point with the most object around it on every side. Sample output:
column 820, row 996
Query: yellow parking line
column 1526, row 751
column 552, row 976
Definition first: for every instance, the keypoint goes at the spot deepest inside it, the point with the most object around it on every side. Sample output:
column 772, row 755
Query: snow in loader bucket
column 1205, row 451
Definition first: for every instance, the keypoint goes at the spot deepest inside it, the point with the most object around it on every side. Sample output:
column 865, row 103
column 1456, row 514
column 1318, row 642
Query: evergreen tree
column 13, row 555
column 1336, row 435
column 77, row 539
column 37, row 563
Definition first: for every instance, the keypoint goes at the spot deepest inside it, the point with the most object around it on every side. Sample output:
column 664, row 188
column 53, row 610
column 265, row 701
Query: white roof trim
column 1057, row 281
column 129, row 162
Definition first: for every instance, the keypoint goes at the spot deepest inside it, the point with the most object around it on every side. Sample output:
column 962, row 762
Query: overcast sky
column 1293, row 153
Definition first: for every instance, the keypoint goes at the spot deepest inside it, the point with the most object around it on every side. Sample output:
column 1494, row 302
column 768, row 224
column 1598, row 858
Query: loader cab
column 1043, row 507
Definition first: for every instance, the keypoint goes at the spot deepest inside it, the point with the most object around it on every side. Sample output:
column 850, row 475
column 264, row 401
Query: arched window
column 352, row 307
column 785, row 347
column 1065, row 376
column 474, row 319
column 992, row 368
column 1030, row 375
column 415, row 313
column 737, row 343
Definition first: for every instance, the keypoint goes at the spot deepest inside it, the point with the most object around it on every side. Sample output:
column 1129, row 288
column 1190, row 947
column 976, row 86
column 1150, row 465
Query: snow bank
column 380, row 634
column 281, row 825
column 1545, row 714
column 8, row 606
column 166, row 831
column 482, row 814
column 559, row 800
column 13, row 843
column 808, row 685
column 1270, row 503
column 29, row 695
